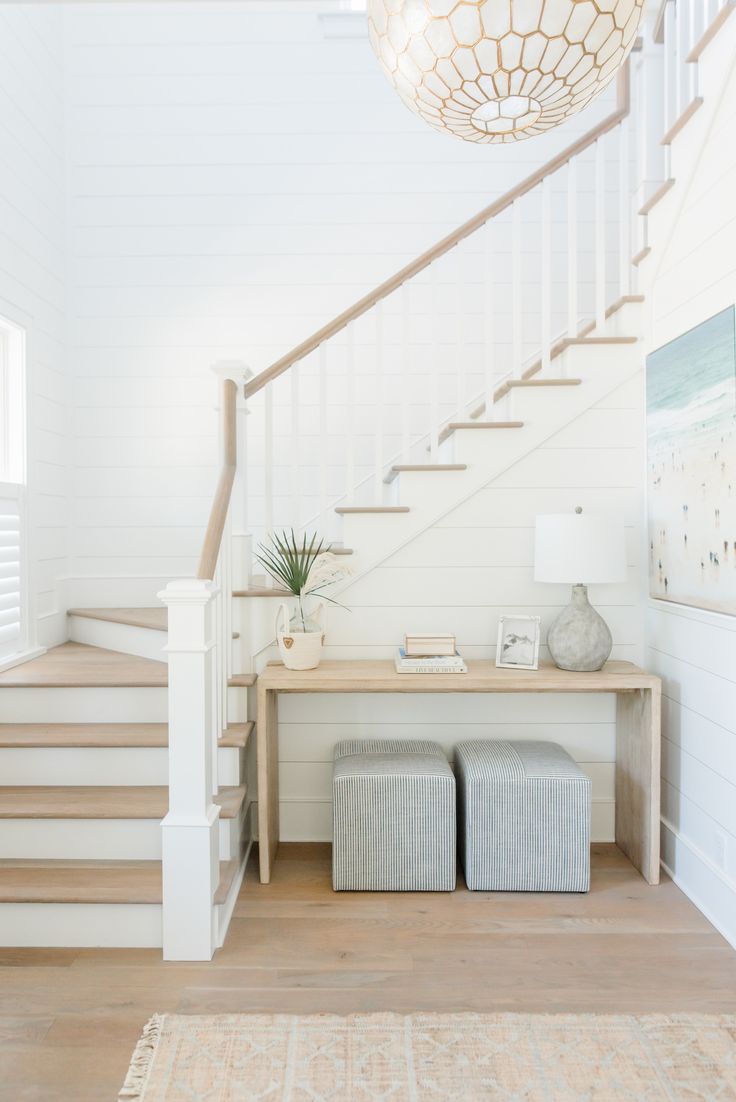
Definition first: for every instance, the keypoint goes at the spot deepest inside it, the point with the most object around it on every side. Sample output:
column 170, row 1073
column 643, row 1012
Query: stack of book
column 429, row 654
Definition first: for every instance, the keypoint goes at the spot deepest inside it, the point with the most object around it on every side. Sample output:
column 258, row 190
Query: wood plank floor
column 69, row 1018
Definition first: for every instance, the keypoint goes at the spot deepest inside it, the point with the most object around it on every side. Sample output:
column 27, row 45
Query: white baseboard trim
column 19, row 659
column 685, row 864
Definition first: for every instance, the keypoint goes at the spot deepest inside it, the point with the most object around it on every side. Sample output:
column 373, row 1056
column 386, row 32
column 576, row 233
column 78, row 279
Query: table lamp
column 581, row 549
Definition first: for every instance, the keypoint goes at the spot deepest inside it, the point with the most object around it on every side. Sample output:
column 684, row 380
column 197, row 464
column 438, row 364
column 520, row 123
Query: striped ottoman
column 393, row 814
column 524, row 817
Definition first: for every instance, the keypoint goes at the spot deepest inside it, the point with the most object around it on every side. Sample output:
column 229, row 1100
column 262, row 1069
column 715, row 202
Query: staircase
column 511, row 362
column 81, row 802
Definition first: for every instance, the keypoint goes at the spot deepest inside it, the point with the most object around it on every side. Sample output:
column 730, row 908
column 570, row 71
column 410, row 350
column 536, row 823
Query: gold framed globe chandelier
column 501, row 70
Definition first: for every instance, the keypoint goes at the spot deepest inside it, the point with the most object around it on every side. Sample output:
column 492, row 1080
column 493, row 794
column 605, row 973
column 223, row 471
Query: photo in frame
column 517, row 646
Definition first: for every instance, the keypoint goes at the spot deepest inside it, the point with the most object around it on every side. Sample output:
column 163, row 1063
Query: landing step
column 336, row 549
column 345, row 509
column 543, row 382
column 262, row 591
column 156, row 619
column 77, row 665
column 103, row 802
column 22, row 736
column 92, row 881
column 423, row 468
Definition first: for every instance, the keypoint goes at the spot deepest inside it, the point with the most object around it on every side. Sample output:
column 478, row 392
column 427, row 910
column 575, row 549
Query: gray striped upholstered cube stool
column 524, row 817
column 393, row 817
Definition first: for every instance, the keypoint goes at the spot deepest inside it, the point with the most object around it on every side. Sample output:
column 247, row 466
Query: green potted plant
column 305, row 569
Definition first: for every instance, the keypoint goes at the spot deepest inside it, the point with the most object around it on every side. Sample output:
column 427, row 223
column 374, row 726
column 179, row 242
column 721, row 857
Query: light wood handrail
column 221, row 502
column 425, row 259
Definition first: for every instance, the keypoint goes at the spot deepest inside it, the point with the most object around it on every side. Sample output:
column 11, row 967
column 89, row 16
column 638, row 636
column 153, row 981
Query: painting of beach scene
column 691, row 466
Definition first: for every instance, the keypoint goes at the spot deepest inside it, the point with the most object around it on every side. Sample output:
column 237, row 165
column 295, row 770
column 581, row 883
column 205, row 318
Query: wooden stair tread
column 101, row 802
column 485, row 425
column 92, row 881
column 242, row 680
column 423, row 468
column 682, row 120
column 155, row 619
column 343, row 509
column 237, row 734
column 656, row 196
column 76, row 665
column 711, row 31
column 641, row 256
column 430, row 467
column 543, row 382
column 262, row 591
column 21, row 736
column 571, row 342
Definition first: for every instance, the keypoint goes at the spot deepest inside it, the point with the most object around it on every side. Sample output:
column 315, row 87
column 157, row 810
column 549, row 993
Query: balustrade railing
column 379, row 384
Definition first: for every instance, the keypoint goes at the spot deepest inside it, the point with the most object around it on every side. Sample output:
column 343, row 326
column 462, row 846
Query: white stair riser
column 143, row 642
column 625, row 322
column 93, row 925
column 103, row 705
column 97, row 839
column 102, row 766
column 79, row 925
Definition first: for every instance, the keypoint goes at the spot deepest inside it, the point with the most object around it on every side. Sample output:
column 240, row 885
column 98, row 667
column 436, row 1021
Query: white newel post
column 190, row 831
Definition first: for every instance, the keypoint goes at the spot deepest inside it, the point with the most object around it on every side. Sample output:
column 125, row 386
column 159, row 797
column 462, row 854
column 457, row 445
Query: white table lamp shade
column 579, row 548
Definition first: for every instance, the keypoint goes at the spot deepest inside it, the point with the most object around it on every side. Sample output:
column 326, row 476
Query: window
column 12, row 489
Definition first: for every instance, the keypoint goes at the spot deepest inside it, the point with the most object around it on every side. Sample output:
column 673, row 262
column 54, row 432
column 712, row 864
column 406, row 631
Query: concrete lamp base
column 580, row 638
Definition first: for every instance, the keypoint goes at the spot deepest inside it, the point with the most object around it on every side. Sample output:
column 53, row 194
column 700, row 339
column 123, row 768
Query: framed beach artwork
column 691, row 466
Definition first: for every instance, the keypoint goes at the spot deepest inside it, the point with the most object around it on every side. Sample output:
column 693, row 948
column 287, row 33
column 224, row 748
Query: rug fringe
column 140, row 1066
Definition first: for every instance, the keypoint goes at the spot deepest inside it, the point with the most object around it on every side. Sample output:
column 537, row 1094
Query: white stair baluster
column 378, row 426
column 295, row 466
column 624, row 209
column 517, row 354
column 268, row 459
column 461, row 367
column 695, row 29
column 546, row 275
column 572, row 248
column 434, row 382
column 405, row 371
column 600, row 236
column 670, row 65
column 350, row 413
column 489, row 349
column 323, row 442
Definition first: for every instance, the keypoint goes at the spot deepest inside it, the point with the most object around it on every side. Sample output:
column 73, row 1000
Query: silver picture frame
column 517, row 645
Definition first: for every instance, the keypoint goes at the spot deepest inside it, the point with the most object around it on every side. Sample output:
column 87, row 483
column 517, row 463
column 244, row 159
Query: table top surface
column 483, row 676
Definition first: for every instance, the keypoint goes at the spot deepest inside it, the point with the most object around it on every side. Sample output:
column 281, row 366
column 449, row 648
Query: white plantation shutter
column 10, row 573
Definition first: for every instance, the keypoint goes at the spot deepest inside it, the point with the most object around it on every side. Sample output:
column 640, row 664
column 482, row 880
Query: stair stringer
column 376, row 537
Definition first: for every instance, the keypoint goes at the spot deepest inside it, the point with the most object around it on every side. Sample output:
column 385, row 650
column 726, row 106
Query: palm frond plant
column 305, row 568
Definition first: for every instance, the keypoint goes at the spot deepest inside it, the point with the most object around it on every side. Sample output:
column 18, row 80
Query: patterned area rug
column 437, row 1057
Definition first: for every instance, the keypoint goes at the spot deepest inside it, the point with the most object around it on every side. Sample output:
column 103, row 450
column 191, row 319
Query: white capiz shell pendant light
column 501, row 70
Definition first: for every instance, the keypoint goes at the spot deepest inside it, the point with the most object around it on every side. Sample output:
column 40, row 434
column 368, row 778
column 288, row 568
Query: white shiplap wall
column 236, row 179
column 459, row 576
column 32, row 275
column 695, row 651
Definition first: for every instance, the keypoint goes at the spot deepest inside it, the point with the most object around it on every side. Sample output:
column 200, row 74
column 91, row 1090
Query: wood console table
column 638, row 696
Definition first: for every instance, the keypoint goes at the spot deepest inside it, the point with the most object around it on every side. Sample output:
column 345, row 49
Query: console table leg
column 267, row 727
column 638, row 779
